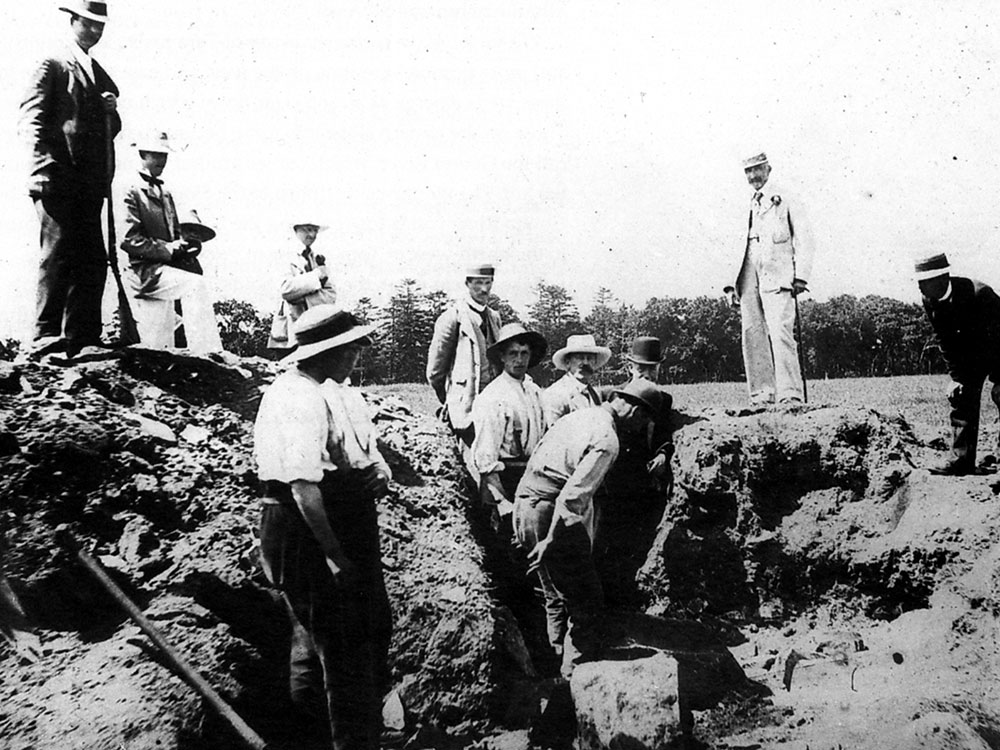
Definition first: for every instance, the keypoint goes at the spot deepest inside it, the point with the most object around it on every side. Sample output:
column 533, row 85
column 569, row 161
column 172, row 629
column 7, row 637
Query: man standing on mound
column 965, row 315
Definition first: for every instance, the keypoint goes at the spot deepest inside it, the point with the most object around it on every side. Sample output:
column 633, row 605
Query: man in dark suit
column 965, row 315
column 65, row 118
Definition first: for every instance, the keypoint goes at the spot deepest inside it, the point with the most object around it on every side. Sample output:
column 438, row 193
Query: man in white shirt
column 322, row 473
column 508, row 416
column 581, row 358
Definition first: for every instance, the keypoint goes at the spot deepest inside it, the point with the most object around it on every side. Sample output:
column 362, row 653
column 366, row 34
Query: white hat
column 86, row 9
column 582, row 343
column 319, row 227
column 156, row 142
column 326, row 327
column 755, row 161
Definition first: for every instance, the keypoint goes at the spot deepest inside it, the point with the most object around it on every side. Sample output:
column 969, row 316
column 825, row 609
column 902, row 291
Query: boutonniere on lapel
column 775, row 200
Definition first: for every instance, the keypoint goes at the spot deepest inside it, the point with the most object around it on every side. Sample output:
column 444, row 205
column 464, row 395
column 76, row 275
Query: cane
column 798, row 347
column 129, row 333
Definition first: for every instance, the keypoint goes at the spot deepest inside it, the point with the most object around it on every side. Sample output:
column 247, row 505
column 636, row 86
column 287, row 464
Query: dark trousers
column 572, row 590
column 72, row 269
column 340, row 638
column 965, row 417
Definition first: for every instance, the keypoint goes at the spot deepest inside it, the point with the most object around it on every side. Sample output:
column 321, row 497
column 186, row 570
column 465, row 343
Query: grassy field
column 919, row 398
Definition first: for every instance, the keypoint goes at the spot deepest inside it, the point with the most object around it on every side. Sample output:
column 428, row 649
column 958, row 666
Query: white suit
column 778, row 248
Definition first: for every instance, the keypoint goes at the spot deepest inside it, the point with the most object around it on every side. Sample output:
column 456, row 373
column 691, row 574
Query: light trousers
column 155, row 317
column 770, row 354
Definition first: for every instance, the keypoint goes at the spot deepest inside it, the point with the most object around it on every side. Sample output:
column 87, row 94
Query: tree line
column 845, row 336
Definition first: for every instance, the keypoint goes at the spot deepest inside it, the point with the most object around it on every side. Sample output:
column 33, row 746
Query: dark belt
column 334, row 484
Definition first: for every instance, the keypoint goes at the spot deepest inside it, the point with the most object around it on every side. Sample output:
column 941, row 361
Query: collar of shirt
column 85, row 60
column 947, row 294
column 512, row 381
column 149, row 179
column 475, row 305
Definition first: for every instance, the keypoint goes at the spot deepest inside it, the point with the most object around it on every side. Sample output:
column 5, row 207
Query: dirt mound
column 856, row 581
column 146, row 459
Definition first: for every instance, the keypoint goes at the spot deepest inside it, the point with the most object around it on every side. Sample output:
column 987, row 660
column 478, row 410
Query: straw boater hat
column 480, row 271
column 156, row 143
column 93, row 11
column 192, row 228
column 581, row 344
column 513, row 332
column 755, row 161
column 645, row 350
column 326, row 327
column 642, row 393
column 932, row 266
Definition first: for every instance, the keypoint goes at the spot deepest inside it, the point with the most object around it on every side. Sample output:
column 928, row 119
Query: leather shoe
column 952, row 468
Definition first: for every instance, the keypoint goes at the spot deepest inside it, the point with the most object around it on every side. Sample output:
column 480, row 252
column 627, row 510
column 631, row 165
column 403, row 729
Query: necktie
column 484, row 325
column 757, row 196
column 592, row 395
column 154, row 181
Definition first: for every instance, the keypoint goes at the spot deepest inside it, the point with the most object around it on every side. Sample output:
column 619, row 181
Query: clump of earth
column 805, row 586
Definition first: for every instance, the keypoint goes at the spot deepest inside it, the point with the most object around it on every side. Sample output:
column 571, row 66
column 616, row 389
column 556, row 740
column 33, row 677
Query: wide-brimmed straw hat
column 86, row 9
column 645, row 350
column 194, row 230
column 319, row 227
column 513, row 332
column 326, row 327
column 582, row 343
column 643, row 393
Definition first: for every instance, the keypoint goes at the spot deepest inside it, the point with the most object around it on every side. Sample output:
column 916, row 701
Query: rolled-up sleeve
column 575, row 498
column 290, row 435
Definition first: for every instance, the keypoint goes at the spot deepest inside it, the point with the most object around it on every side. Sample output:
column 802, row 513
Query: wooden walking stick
column 129, row 333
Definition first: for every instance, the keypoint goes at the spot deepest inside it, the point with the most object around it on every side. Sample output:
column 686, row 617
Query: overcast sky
column 583, row 143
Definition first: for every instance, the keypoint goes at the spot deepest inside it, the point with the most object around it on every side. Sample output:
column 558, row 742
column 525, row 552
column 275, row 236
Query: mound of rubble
column 861, row 591
column 144, row 459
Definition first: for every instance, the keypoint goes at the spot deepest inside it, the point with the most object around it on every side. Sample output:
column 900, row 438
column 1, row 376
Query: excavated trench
column 773, row 517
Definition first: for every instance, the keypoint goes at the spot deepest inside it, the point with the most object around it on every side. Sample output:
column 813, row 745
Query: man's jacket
column 967, row 325
column 457, row 368
column 63, row 123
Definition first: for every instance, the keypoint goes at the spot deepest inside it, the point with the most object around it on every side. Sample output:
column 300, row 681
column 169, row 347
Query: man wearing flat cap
column 636, row 485
column 554, row 517
column 457, row 366
column 306, row 283
column 321, row 472
column 777, row 261
column 581, row 358
column 68, row 117
column 965, row 315
column 166, row 275
column 508, row 416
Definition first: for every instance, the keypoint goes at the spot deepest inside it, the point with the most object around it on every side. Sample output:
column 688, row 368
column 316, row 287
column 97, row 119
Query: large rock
column 627, row 705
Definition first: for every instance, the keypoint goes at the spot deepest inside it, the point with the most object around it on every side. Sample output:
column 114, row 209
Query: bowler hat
column 193, row 229
column 86, row 9
column 326, row 327
column 583, row 343
column 643, row 393
column 755, row 161
column 645, row 350
column 517, row 332
column 932, row 266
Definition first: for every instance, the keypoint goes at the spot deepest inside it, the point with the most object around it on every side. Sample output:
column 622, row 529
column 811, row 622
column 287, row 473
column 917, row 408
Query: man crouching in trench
column 315, row 447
